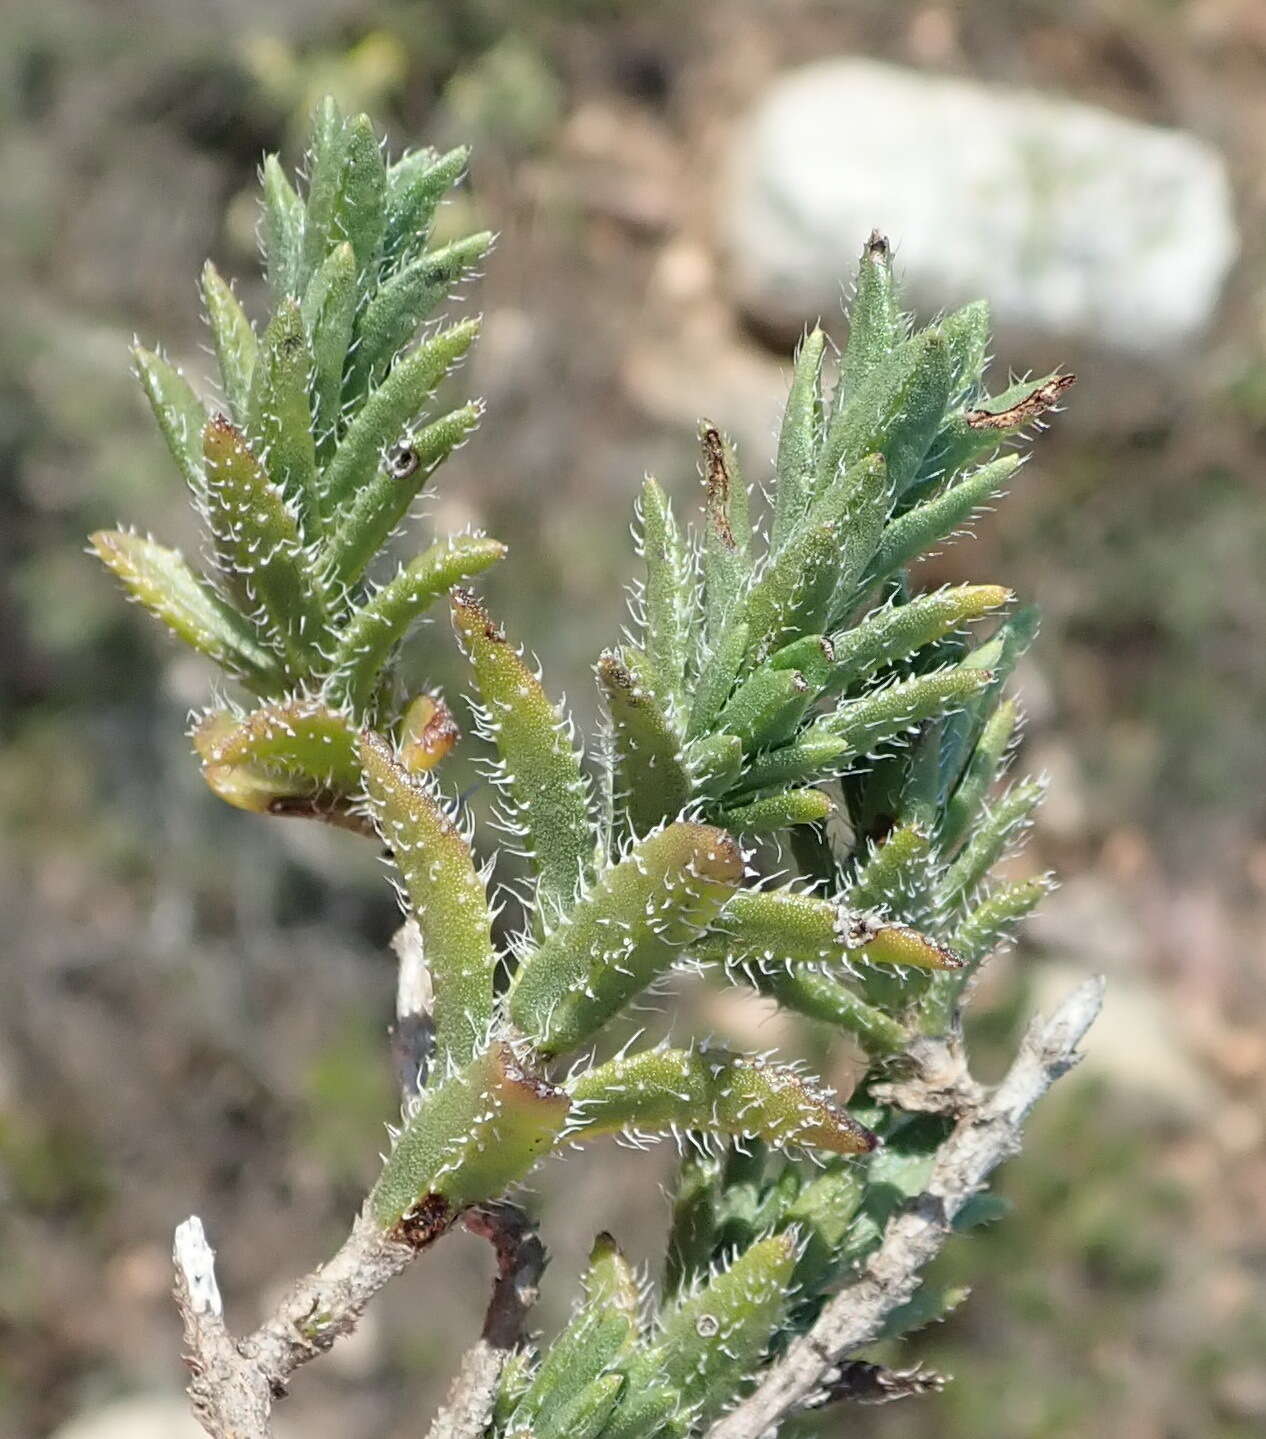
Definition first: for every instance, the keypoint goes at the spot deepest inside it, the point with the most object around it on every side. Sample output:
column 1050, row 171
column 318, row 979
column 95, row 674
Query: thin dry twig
column 985, row 1135
column 521, row 1259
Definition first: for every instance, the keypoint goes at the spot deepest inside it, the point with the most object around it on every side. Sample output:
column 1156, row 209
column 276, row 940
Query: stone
column 1076, row 223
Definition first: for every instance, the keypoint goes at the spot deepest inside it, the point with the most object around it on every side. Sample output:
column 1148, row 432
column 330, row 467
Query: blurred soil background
column 193, row 1003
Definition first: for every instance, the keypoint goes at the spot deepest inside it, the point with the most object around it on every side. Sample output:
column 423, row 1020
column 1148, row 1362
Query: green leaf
column 662, row 1090
column 664, row 597
column 585, row 1416
column 646, row 1412
column 766, row 708
column 897, row 631
column 235, row 342
column 280, row 415
column 875, row 322
column 934, row 520
column 652, row 781
column 624, row 933
column 822, row 997
column 359, row 210
column 815, row 755
column 895, row 412
column 982, row 770
column 325, row 177
column 282, row 232
column 299, row 737
column 864, row 724
column 777, row 812
column 467, row 1139
column 812, row 655
column 931, row 1304
column 717, row 675
column 417, row 184
column 372, row 633
column 179, row 412
column 392, row 317
column 368, row 522
column 446, row 897
column 541, row 768
column 798, row 440
column 160, row 580
column 822, row 1212
column 994, row 831
column 893, row 876
column 329, row 311
column 797, row 592
column 692, row 1236
column 786, row 925
column 388, row 411
column 259, row 547
column 712, row 1341
column 973, row 432
column 966, row 332
column 715, row 762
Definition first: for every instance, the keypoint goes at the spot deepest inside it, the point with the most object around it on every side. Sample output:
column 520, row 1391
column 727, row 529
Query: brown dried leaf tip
column 1032, row 407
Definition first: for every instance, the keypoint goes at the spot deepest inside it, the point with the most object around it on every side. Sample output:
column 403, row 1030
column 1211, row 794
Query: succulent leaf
column 623, row 933
column 446, row 897
column 236, row 345
column 652, row 780
column 798, row 439
column 667, row 581
column 181, row 415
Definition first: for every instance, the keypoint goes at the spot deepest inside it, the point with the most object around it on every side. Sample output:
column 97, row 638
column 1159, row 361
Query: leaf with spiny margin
column 651, row 775
column 392, row 317
column 692, row 1236
column 388, row 411
column 416, row 185
column 372, row 633
column 824, row 998
column 986, row 926
column 470, row 1137
column 798, row 439
column 864, row 724
column 366, row 525
column 893, row 875
column 299, row 737
column 715, row 762
column 776, row 812
column 649, row 1412
column 718, row 672
column 999, row 655
column 359, row 210
column 282, row 233
column 875, row 322
column 966, row 332
column 930, row 522
column 235, row 343
column 981, row 771
column 712, row 1340
column 997, row 828
column 727, row 533
column 446, row 896
column 601, row 1332
column 893, row 633
column 796, row 594
column 542, row 767
column 663, row 1090
column 516, row 1377
column 624, row 933
column 258, row 545
column 664, row 598
column 162, row 581
column 812, row 655
column 821, row 1213
column 583, row 1417
column 280, row 422
column 325, row 175
column 181, row 415
column 895, row 412
column 766, row 708
column 329, row 313
column 931, row 1304
column 796, row 928
column 814, row 755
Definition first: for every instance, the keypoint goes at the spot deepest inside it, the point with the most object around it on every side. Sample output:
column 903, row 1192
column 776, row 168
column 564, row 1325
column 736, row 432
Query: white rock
column 1072, row 221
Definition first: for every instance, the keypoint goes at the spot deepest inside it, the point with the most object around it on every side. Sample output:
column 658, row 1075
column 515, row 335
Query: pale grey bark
column 987, row 1132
